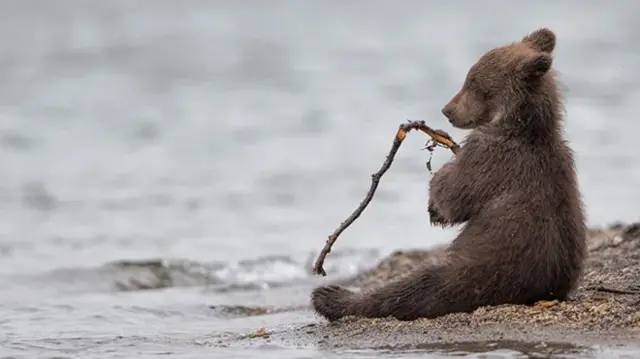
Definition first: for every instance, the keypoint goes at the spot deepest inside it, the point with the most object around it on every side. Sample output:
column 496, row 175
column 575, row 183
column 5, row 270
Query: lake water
column 224, row 140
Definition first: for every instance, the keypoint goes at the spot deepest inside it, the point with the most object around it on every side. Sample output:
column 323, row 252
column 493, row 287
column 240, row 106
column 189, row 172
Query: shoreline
column 603, row 312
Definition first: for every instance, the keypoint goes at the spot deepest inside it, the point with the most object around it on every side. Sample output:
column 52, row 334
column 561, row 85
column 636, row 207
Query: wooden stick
column 438, row 136
column 612, row 290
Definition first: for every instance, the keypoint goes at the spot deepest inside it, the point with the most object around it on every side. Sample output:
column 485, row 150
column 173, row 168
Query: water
column 223, row 141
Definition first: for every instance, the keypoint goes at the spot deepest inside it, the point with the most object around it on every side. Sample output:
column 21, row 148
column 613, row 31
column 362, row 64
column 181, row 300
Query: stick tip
column 319, row 271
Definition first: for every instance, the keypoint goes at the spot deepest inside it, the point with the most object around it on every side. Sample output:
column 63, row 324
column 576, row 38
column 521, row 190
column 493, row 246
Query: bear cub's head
column 501, row 80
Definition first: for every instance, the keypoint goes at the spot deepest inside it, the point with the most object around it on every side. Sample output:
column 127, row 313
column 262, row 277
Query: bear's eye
column 477, row 88
column 474, row 84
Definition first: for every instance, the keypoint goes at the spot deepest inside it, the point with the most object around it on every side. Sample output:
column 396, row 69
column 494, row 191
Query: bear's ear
column 541, row 40
column 535, row 65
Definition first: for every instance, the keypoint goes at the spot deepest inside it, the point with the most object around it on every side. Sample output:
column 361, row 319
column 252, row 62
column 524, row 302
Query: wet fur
column 513, row 189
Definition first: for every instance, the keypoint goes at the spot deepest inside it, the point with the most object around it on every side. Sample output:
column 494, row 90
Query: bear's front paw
column 435, row 217
column 331, row 301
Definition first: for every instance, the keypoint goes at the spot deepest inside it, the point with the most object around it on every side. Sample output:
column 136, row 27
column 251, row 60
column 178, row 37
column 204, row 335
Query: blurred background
column 158, row 157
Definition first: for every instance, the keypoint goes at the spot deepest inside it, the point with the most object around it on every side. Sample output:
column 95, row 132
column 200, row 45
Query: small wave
column 238, row 311
column 15, row 140
column 251, row 274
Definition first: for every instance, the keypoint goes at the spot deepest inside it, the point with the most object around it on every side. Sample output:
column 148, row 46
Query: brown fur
column 513, row 188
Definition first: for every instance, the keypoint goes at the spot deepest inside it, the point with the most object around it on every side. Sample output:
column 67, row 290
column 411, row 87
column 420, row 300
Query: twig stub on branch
column 438, row 136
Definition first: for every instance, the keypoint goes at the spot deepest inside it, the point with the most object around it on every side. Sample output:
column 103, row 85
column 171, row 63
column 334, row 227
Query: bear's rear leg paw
column 331, row 302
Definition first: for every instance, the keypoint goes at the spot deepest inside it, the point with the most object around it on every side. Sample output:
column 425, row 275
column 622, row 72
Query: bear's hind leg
column 420, row 294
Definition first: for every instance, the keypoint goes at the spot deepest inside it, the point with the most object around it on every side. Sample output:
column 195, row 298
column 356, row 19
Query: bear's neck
column 538, row 118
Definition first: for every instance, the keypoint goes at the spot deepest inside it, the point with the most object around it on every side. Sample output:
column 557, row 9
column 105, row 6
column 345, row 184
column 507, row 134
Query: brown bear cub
column 513, row 187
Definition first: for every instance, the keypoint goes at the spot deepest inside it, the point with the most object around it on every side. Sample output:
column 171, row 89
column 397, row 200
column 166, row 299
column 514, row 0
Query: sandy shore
column 605, row 310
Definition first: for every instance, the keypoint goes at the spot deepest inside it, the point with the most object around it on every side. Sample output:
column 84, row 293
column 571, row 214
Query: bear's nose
column 446, row 111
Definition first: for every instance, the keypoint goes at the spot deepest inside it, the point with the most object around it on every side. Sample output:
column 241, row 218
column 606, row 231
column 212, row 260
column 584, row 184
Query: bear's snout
column 446, row 111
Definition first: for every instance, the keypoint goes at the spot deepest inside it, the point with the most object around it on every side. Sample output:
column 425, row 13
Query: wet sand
column 604, row 311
